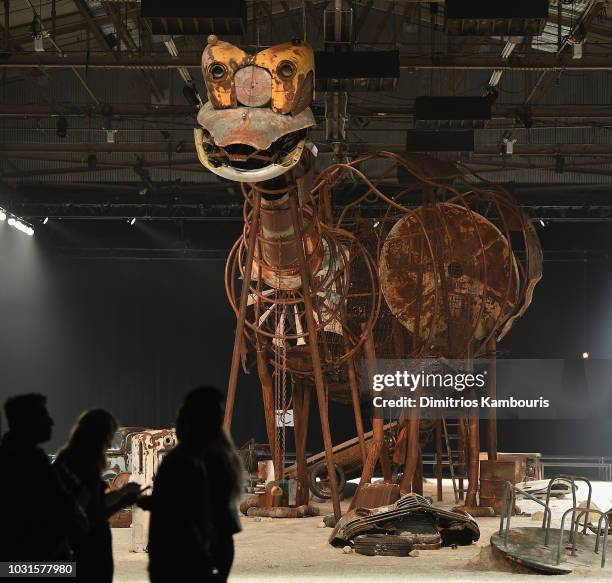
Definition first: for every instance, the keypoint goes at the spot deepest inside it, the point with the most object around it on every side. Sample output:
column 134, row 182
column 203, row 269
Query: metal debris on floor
column 276, row 501
column 410, row 523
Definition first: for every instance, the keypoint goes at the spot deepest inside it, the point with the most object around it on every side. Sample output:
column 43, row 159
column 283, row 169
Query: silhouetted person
column 193, row 506
column 38, row 513
column 80, row 463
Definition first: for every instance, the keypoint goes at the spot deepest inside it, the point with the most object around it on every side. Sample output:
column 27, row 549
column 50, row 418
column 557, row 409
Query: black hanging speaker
column 452, row 108
column 440, row 140
column 195, row 17
column 496, row 17
column 357, row 71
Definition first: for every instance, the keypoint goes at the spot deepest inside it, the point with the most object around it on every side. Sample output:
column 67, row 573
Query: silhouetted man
column 37, row 512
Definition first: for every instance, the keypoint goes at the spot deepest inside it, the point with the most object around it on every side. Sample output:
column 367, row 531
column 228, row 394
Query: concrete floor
column 297, row 550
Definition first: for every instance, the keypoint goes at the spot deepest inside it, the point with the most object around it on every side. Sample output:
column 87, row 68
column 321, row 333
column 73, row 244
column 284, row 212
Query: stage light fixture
column 45, row 220
column 133, row 221
column 62, row 127
column 542, row 222
column 21, row 226
column 2, row 215
column 585, row 355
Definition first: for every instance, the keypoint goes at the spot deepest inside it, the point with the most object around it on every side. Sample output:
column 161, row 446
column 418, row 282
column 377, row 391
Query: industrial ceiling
column 97, row 110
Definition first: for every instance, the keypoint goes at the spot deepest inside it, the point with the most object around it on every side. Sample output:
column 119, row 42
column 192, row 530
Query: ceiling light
column 45, row 220
column 61, row 127
column 509, row 145
column 542, row 222
column 132, row 221
column 2, row 215
column 585, row 355
column 21, row 226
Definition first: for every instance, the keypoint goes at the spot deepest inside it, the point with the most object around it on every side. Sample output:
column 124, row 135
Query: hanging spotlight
column 133, row 221
column 92, row 162
column 16, row 222
column 542, row 222
column 45, row 220
column 585, row 355
column 62, row 127
column 21, row 226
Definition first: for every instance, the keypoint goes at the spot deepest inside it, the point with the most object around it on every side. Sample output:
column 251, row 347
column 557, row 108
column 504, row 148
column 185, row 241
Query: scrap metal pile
column 412, row 519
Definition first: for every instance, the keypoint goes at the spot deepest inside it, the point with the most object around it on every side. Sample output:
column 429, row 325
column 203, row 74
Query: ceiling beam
column 516, row 62
column 585, row 112
column 6, row 149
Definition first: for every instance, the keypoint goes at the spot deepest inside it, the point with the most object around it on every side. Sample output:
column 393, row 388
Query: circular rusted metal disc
column 479, row 286
column 253, row 86
column 121, row 479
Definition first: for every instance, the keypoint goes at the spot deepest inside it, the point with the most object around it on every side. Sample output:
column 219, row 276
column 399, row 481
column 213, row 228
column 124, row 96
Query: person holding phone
column 80, row 464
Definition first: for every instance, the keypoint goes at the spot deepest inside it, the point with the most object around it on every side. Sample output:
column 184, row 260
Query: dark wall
column 133, row 335
column 571, row 313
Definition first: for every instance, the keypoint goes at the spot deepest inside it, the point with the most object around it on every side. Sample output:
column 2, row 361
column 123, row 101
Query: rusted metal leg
column 439, row 459
column 378, row 425
column 378, row 436
column 352, row 376
column 244, row 294
column 412, row 453
column 267, row 393
column 417, row 485
column 463, row 453
column 301, row 429
column 492, row 422
column 314, row 353
column 385, row 462
column 473, row 457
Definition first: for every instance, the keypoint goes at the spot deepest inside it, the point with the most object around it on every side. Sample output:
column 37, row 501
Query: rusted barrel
column 493, row 478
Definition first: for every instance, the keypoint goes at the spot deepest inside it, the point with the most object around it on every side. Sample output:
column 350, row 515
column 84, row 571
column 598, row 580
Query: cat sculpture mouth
column 248, row 144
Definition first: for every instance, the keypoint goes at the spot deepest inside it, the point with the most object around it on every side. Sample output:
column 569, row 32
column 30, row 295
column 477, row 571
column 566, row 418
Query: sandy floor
column 297, row 550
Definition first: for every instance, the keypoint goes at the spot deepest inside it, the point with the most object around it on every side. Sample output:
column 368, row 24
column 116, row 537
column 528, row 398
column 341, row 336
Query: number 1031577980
column 33, row 570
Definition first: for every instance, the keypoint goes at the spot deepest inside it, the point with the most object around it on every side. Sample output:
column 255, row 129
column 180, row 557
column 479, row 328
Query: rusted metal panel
column 290, row 76
column 346, row 454
column 257, row 127
column 276, row 263
column 291, row 65
column 253, row 86
column 118, row 455
column 494, row 475
column 220, row 61
column 147, row 452
column 448, row 275
column 377, row 495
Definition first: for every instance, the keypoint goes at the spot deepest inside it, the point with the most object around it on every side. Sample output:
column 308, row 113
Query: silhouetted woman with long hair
column 80, row 463
column 193, row 506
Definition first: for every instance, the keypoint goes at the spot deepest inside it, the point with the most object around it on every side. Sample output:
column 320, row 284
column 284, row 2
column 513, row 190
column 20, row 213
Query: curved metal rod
column 606, row 519
column 561, row 529
column 507, row 509
column 572, row 481
column 574, row 530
